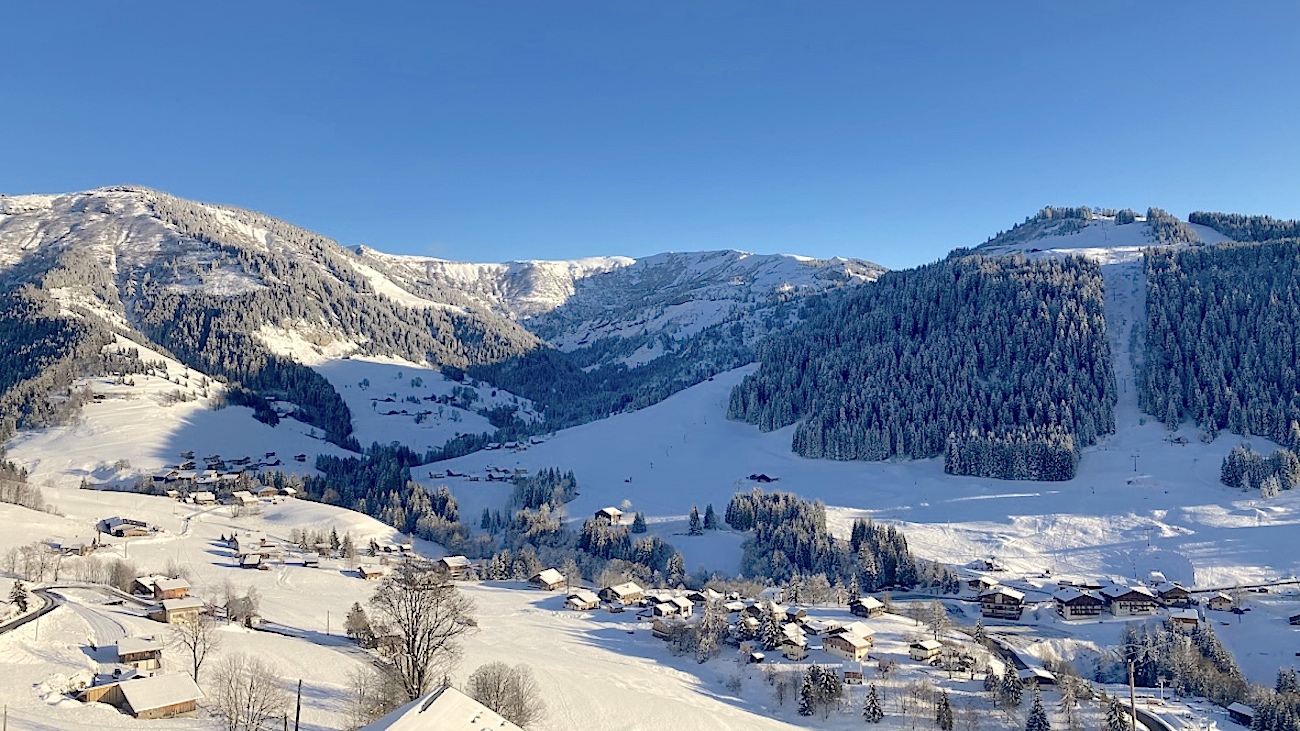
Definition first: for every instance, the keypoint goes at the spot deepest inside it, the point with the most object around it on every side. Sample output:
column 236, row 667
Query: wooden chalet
column 610, row 515
column 795, row 614
column 1221, row 602
column 547, row 579
column 794, row 648
column 1173, row 594
column 1035, row 676
column 628, row 592
column 160, row 696
column 1074, row 603
column 177, row 611
column 1241, row 714
column 847, row 645
column 142, row 653
column 1186, row 618
column 456, row 567
column 982, row 583
column 582, row 600
column 170, row 589
column 204, row 497
column 924, row 651
column 1002, row 603
column 267, row 491
column 370, row 572
column 867, row 606
column 1129, row 601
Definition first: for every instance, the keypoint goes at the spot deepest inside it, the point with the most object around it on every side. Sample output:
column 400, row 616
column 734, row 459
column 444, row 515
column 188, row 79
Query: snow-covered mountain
column 576, row 303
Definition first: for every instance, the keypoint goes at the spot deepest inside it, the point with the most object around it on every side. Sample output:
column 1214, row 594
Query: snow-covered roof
column 189, row 602
column 627, row 588
column 856, row 641
column 1186, row 614
column 1004, row 591
column 1169, row 586
column 585, row 596
column 1242, row 708
column 610, row 511
column 133, row 645
column 870, row 602
column 927, row 644
column 1067, row 595
column 1115, row 591
column 1035, row 674
column 682, row 602
column 549, row 576
column 171, row 584
column 159, row 691
column 455, row 562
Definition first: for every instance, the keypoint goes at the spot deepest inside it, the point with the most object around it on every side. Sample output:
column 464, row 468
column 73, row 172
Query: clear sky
column 503, row 130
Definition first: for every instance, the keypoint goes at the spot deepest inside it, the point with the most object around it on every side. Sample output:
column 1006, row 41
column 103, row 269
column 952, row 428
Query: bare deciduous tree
column 195, row 640
column 425, row 616
column 374, row 693
column 510, row 691
column 246, row 692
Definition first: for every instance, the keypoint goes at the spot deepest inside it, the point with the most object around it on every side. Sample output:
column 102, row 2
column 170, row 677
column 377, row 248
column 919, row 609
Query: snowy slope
column 1101, row 239
column 576, row 303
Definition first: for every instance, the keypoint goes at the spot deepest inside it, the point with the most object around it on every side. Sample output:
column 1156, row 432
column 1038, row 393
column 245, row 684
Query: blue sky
column 498, row 130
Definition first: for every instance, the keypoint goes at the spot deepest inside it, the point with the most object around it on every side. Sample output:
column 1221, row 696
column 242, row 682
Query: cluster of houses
column 1089, row 600
column 216, row 470
column 493, row 474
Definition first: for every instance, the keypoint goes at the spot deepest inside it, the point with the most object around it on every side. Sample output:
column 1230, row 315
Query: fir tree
column 980, row 636
column 638, row 523
column 696, row 529
column 943, row 714
column 710, row 518
column 872, row 712
column 1037, row 720
column 807, row 696
column 1117, row 717
column 1012, row 689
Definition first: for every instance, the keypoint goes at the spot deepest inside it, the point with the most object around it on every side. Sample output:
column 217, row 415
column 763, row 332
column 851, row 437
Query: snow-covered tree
column 18, row 596
column 1037, row 720
column 872, row 712
column 943, row 714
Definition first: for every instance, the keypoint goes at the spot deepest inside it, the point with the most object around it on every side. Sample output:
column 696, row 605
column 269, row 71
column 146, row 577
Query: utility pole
column 297, row 711
column 1132, row 700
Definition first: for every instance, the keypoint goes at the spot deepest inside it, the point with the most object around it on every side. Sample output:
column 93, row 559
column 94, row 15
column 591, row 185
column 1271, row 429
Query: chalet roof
column 549, row 576
column 369, row 570
column 446, row 709
column 585, row 596
column 610, row 511
column 176, row 605
column 455, row 562
column 1117, row 591
column 627, row 588
column 1071, row 596
column 171, row 584
column 133, row 645
column 1185, row 614
column 1033, row 673
column 1243, row 709
column 870, row 602
column 682, row 602
column 857, row 641
column 159, row 691
column 1222, row 595
column 1005, row 591
column 927, row 645
column 1169, row 586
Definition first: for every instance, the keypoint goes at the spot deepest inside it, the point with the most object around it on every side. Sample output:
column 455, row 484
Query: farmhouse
column 177, row 611
column 370, row 572
column 142, row 653
column 1125, row 601
column 251, row 561
column 847, row 645
column 160, row 696
column 1037, row 675
column 794, row 614
column 1222, row 602
column 1173, row 594
column 867, row 606
column 547, row 579
column 457, row 567
column 582, row 600
column 700, row 598
column 627, row 593
column 267, row 492
column 1076, row 604
column 446, row 709
column 982, row 583
column 243, row 498
column 204, row 498
column 170, row 589
column 924, row 651
column 610, row 515
column 1002, row 603
column 684, row 605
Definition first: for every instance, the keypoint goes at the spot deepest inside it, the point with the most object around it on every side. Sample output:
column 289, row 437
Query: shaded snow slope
column 1101, row 239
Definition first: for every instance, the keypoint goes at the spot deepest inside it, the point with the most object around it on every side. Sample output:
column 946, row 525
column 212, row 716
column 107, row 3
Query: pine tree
column 943, row 714
column 871, row 709
column 770, row 630
column 696, row 529
column 1012, row 689
column 334, row 539
column 638, row 523
column 1117, row 717
column 980, row 636
column 807, row 697
column 18, row 596
column 1037, row 720
column 829, row 688
column 710, row 518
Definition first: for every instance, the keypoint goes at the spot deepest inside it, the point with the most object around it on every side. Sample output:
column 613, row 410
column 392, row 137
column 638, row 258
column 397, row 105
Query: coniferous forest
column 1001, row 364
column 1223, row 338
